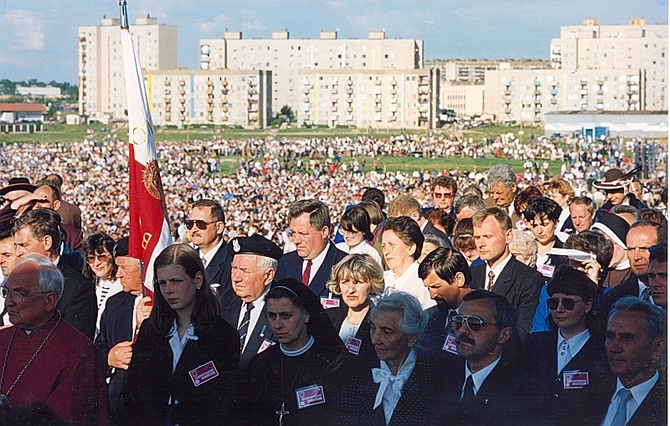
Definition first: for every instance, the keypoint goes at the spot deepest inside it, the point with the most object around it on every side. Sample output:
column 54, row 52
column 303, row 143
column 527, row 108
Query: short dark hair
column 98, row 243
column 655, row 216
column 524, row 197
column 505, row 314
column 216, row 209
column 593, row 242
column 568, row 280
column 445, row 182
column 319, row 216
column 407, row 230
column 357, row 218
column 41, row 222
column 659, row 253
column 542, row 206
column 445, row 263
column 375, row 195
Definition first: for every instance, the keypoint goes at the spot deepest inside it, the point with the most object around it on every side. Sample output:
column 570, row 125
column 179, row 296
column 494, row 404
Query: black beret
column 121, row 247
column 255, row 244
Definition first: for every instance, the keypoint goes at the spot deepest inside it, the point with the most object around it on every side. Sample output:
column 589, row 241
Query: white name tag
column 203, row 374
column 309, row 396
column 328, row 303
column 575, row 379
column 450, row 344
column 353, row 345
column 547, row 270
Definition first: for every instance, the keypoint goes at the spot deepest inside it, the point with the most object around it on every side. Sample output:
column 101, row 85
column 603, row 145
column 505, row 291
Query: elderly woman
column 464, row 241
column 430, row 243
column 101, row 269
column 355, row 278
column 402, row 242
column 355, row 228
column 289, row 381
column 570, row 358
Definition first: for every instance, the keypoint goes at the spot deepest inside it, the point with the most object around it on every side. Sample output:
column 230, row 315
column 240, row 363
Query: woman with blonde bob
column 185, row 355
column 355, row 278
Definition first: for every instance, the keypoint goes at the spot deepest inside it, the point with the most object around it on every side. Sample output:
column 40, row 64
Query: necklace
column 30, row 361
column 282, row 411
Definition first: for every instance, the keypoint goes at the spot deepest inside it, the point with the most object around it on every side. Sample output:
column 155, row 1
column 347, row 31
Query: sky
column 38, row 38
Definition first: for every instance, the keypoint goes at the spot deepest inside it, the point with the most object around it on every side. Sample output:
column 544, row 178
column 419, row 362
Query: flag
column 149, row 229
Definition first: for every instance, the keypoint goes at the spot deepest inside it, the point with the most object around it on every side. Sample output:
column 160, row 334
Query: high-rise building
column 102, row 88
column 289, row 58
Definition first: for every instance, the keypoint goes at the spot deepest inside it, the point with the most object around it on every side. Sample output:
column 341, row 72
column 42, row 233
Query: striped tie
column 492, row 276
column 244, row 326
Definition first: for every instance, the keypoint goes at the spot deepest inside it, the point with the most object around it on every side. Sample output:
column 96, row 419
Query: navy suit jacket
column 218, row 270
column 260, row 333
column 520, row 284
column 290, row 266
column 337, row 317
column 78, row 304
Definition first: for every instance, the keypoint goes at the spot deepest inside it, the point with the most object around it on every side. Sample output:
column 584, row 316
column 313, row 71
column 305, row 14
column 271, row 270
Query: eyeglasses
column 443, row 194
column 652, row 275
column 15, row 295
column 201, row 224
column 568, row 304
column 91, row 258
column 474, row 322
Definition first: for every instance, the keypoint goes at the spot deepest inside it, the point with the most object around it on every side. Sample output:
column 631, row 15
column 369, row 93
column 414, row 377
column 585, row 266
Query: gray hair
column 623, row 208
column 501, row 173
column 412, row 321
column 266, row 263
column 655, row 324
column 468, row 200
column 50, row 277
column 525, row 243
column 434, row 240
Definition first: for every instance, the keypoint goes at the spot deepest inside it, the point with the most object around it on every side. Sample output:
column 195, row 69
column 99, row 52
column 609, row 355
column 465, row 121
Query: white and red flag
column 149, row 229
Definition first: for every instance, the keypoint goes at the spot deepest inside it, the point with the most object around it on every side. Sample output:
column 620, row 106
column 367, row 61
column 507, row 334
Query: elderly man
column 502, row 273
column 315, row 255
column 399, row 386
column 486, row 387
column 657, row 277
column 206, row 223
column 582, row 213
column 253, row 270
column 38, row 232
column 502, row 183
column 47, row 360
column 120, row 322
column 447, row 276
column 635, row 342
column 467, row 205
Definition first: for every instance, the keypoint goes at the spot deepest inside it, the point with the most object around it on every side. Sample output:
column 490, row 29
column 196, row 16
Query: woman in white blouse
column 355, row 228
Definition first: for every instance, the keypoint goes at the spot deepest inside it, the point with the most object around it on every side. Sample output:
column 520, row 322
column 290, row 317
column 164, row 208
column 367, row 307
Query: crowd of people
column 303, row 291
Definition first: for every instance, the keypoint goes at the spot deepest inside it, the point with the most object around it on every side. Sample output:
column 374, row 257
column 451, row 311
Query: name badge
column 575, row 379
column 521, row 225
column 266, row 344
column 547, row 270
column 328, row 303
column 353, row 345
column 450, row 344
column 203, row 374
column 309, row 396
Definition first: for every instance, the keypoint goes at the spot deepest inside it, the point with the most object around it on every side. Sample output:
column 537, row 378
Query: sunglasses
column 568, row 304
column 91, row 258
column 201, row 224
column 652, row 275
column 474, row 322
column 442, row 194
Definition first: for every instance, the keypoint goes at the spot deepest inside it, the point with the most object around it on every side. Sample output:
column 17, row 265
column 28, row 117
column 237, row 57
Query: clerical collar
column 300, row 351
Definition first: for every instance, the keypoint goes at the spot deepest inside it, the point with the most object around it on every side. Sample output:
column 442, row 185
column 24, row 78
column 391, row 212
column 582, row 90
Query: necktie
column 621, row 411
column 307, row 273
column 244, row 326
column 492, row 275
column 469, row 391
column 385, row 379
column 646, row 294
column 204, row 261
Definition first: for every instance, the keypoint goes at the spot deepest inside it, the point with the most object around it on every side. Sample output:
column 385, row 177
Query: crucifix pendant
column 281, row 413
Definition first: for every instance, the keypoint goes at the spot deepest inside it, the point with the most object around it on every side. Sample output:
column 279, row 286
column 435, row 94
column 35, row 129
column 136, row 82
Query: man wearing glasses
column 486, row 387
column 444, row 191
column 47, row 360
column 206, row 224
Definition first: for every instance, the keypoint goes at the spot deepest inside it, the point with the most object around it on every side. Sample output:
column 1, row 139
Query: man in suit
column 447, row 276
column 502, row 183
column 70, row 213
column 38, row 231
column 444, row 191
column 635, row 342
column 253, row 270
column 206, row 223
column 399, row 386
column 404, row 205
column 485, row 387
column 49, row 197
column 119, row 324
column 657, row 276
column 502, row 273
column 315, row 255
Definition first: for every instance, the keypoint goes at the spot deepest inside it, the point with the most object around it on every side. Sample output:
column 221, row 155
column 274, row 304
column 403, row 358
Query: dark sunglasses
column 442, row 195
column 201, row 224
column 91, row 258
column 474, row 322
column 652, row 275
column 568, row 304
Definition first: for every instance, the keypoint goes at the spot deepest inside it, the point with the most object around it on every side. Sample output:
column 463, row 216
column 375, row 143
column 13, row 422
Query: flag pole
column 123, row 6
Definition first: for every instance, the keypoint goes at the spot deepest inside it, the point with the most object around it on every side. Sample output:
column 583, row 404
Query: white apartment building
column 289, row 58
column 182, row 97
column 594, row 68
column 102, row 89
column 393, row 99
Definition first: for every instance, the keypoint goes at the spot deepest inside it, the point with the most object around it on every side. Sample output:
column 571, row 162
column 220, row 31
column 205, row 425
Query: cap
column 17, row 184
column 121, row 247
column 255, row 244
column 614, row 227
column 615, row 179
